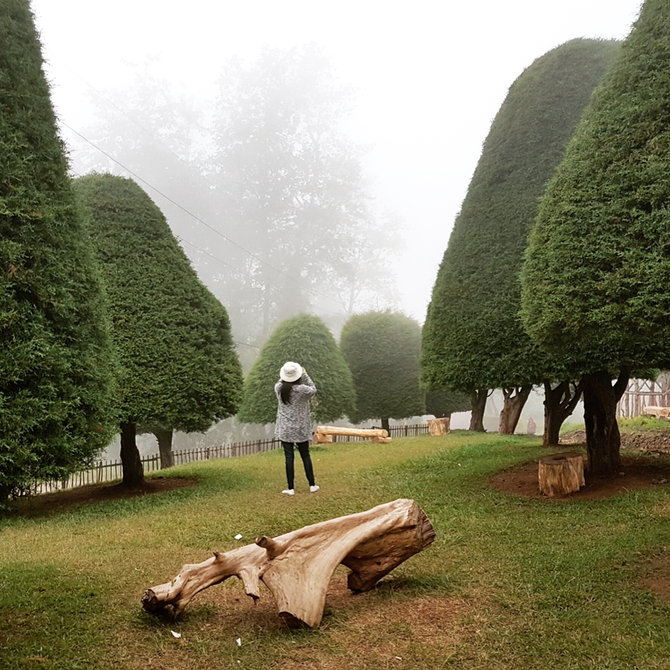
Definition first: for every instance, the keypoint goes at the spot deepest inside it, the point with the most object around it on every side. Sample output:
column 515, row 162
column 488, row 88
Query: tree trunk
column 515, row 399
column 133, row 474
column 478, row 404
column 385, row 424
column 297, row 566
column 559, row 404
column 164, row 438
column 603, row 441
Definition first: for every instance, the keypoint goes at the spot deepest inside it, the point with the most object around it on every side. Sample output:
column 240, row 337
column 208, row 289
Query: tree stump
column 297, row 566
column 439, row 426
column 561, row 474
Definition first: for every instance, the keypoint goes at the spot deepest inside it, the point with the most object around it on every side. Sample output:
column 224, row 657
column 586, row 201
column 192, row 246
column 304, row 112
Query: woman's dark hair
column 285, row 390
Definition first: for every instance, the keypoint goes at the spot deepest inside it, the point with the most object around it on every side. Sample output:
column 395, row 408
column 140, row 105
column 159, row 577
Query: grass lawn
column 510, row 582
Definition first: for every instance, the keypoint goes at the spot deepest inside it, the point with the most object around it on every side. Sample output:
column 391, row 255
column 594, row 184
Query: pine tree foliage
column 382, row 350
column 178, row 366
column 473, row 337
column 306, row 340
column 597, row 271
column 55, row 364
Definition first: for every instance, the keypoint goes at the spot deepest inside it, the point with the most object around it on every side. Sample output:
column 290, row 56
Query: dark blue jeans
column 289, row 458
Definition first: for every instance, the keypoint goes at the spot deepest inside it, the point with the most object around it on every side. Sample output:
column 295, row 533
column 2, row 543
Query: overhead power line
column 169, row 199
column 251, row 254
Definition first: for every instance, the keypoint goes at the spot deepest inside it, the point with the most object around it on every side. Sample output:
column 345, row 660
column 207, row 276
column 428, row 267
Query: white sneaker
column 288, row 492
column 314, row 489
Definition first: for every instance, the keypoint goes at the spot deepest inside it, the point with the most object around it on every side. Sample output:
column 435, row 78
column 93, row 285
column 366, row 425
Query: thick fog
column 137, row 87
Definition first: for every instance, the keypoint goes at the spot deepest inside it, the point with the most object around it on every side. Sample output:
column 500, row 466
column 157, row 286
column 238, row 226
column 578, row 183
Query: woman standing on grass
column 294, row 423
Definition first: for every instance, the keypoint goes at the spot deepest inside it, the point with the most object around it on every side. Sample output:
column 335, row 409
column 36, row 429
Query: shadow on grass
column 115, row 498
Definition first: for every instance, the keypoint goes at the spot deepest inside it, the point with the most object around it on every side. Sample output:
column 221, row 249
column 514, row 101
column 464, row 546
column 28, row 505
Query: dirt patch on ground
column 360, row 625
column 657, row 579
column 93, row 493
column 635, row 474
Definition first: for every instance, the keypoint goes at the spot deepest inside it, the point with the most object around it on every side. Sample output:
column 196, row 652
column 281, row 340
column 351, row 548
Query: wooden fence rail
column 108, row 471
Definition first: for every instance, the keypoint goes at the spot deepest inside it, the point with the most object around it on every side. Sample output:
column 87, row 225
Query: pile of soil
column 651, row 442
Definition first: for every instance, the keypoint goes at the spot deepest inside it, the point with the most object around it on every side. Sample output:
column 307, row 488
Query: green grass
column 509, row 582
column 643, row 423
column 638, row 424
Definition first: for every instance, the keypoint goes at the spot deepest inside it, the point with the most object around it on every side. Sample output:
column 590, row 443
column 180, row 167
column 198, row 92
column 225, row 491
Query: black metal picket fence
column 108, row 471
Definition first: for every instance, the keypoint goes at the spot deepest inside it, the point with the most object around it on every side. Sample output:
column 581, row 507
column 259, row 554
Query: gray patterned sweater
column 294, row 423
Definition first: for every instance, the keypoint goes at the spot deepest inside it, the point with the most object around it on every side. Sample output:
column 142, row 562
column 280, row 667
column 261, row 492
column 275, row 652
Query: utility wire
column 309, row 289
column 204, row 251
column 149, row 132
column 169, row 199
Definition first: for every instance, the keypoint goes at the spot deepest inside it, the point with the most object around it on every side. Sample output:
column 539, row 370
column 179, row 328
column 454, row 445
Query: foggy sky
column 429, row 78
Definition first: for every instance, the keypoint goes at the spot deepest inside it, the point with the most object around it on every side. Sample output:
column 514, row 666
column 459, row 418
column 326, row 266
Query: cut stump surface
column 561, row 474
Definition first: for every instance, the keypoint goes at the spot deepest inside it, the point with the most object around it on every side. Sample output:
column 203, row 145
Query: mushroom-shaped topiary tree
column 382, row 350
column 306, row 340
column 178, row 369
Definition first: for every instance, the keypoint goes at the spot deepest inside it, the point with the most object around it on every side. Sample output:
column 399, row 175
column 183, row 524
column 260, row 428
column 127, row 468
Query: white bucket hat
column 290, row 371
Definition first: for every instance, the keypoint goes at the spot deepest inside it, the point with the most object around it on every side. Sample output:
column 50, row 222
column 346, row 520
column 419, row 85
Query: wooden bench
column 657, row 412
column 324, row 434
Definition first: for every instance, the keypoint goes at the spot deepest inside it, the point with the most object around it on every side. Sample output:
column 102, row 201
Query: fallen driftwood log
column 297, row 566
column 324, row 434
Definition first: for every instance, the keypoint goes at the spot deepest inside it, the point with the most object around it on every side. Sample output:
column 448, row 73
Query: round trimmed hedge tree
column 178, row 369
column 55, row 358
column 383, row 350
column 306, row 340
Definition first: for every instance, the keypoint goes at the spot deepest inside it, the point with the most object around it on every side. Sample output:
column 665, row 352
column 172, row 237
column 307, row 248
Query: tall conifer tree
column 55, row 371
column 597, row 272
column 473, row 339
column 177, row 366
